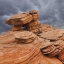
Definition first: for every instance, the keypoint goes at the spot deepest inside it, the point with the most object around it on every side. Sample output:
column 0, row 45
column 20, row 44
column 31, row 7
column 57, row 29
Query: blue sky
column 50, row 11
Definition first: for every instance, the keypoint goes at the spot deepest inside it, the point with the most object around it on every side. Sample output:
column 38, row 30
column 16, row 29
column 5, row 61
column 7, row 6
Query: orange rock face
column 33, row 27
column 45, row 27
column 22, row 53
column 28, row 18
column 52, row 35
column 19, row 19
column 13, row 52
column 25, row 37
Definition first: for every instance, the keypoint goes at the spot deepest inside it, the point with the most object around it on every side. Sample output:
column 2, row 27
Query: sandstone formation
column 18, row 20
column 30, row 42
column 52, row 35
column 28, row 20
column 46, row 27
column 54, row 49
column 22, row 53
column 34, row 25
column 25, row 37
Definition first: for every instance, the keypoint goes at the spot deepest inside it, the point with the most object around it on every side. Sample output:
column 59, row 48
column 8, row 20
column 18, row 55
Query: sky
column 50, row 11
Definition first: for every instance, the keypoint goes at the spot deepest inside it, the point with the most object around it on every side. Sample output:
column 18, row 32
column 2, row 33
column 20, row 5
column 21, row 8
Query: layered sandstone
column 22, row 53
column 29, row 42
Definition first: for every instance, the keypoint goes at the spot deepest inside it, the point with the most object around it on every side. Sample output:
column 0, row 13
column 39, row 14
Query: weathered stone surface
column 33, row 27
column 19, row 53
column 54, row 48
column 16, row 28
column 25, row 37
column 28, row 20
column 62, row 37
column 60, row 48
column 61, row 56
column 23, row 54
column 46, row 27
column 34, row 14
column 52, row 35
column 19, row 19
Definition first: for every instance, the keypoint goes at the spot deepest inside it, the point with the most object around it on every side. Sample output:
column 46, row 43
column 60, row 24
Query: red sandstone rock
column 52, row 35
column 34, row 25
column 13, row 53
column 25, row 37
column 46, row 27
column 54, row 48
column 34, row 14
column 18, row 20
column 28, row 18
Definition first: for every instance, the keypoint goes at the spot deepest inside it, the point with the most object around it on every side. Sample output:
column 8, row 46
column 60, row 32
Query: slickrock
column 52, row 35
column 24, row 54
column 19, row 53
column 8, row 37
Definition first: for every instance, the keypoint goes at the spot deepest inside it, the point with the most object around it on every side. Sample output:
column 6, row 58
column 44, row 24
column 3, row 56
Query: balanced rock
column 34, row 25
column 18, row 20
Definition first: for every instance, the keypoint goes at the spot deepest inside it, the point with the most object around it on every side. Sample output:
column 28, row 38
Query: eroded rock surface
column 52, row 34
column 25, row 37
column 46, row 27
column 22, row 53
column 34, row 25
column 29, row 42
